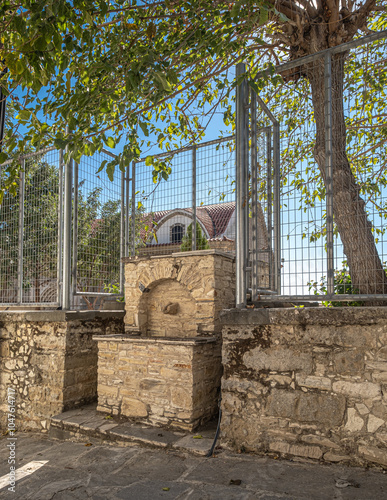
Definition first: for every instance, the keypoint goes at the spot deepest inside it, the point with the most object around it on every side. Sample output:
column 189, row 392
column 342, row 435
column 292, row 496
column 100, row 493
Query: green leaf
column 144, row 128
column 24, row 114
column 102, row 166
column 164, row 82
column 110, row 142
column 110, row 171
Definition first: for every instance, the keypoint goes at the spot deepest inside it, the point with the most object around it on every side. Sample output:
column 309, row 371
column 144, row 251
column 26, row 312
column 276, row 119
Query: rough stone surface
column 354, row 421
column 168, row 382
column 199, row 284
column 109, row 472
column 50, row 361
column 308, row 382
column 165, row 382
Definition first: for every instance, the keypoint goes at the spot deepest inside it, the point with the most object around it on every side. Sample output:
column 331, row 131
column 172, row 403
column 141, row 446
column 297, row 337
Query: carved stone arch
column 167, row 309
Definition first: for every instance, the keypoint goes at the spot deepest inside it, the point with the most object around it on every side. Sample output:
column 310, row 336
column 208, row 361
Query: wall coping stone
column 58, row 316
column 196, row 253
column 154, row 340
column 306, row 316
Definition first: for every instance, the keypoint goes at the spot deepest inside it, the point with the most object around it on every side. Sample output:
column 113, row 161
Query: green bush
column 342, row 285
column 201, row 240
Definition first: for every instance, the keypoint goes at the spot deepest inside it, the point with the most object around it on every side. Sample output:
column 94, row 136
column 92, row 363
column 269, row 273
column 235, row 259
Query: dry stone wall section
column 50, row 360
column 306, row 382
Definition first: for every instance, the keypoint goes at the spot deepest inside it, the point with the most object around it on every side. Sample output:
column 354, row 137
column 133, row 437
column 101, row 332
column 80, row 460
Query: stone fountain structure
column 166, row 369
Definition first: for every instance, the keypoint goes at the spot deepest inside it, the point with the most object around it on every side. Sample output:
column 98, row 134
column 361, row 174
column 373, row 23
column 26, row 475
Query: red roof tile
column 215, row 218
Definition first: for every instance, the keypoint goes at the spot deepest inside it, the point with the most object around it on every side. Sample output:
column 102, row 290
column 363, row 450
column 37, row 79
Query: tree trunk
column 365, row 267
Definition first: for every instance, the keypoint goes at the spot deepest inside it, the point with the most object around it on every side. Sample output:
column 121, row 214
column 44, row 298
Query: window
column 177, row 233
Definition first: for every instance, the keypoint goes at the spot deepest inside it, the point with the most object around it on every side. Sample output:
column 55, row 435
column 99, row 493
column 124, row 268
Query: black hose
column 211, row 452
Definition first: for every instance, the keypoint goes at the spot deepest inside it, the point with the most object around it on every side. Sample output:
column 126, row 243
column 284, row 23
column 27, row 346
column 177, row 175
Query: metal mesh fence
column 9, row 244
column 98, row 206
column 331, row 111
column 40, row 229
column 32, row 241
column 29, row 233
column 198, row 191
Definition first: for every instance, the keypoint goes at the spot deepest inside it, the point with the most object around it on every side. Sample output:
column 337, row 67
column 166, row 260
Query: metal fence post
column 67, row 234
column 122, row 232
column 269, row 183
column 133, row 235
column 276, row 194
column 21, row 234
column 194, row 198
column 60, row 233
column 254, row 197
column 241, row 195
column 75, row 232
column 277, row 206
column 127, row 211
column 329, row 170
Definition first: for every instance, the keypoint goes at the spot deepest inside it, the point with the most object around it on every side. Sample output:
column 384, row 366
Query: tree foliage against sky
column 117, row 70
column 114, row 69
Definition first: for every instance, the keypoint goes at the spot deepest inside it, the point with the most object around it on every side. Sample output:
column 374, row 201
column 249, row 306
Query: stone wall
column 306, row 382
column 50, row 359
column 162, row 382
column 180, row 295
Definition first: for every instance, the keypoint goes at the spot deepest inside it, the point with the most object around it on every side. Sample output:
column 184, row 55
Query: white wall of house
column 164, row 227
column 230, row 229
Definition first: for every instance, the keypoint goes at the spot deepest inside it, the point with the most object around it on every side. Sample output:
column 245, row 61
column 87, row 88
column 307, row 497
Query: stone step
column 87, row 425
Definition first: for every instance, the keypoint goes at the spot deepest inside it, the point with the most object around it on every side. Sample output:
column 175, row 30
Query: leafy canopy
column 113, row 70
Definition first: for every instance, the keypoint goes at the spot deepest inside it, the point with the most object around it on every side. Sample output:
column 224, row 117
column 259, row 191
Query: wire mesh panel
column 360, row 141
column 261, row 244
column 9, row 244
column 331, row 109
column 215, row 195
column 97, row 232
column 29, row 233
column 40, row 228
column 186, row 189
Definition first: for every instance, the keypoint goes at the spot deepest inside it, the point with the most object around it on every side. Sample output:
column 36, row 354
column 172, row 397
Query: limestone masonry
column 306, row 382
column 168, row 371
column 50, row 359
column 201, row 284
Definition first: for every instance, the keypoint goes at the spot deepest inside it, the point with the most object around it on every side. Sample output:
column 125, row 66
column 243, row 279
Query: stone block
column 348, row 362
column 282, row 403
column 319, row 440
column 335, row 457
column 314, row 382
column 278, row 359
column 320, row 409
column 374, row 454
column 296, row 450
column 361, row 390
column 354, row 422
column 107, row 390
column 374, row 423
column 377, row 365
column 181, row 397
column 132, row 407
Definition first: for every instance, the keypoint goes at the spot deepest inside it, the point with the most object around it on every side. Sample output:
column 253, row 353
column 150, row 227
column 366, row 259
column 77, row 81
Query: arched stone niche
column 180, row 295
column 168, row 310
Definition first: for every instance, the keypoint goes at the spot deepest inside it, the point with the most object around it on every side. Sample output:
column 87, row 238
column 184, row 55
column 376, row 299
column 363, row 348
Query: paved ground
column 106, row 472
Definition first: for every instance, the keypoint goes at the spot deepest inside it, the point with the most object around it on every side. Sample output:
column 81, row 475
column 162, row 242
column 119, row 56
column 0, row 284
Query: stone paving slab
column 81, row 471
column 86, row 424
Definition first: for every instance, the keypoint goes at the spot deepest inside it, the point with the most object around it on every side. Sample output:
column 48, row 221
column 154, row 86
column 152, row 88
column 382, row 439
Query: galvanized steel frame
column 326, row 55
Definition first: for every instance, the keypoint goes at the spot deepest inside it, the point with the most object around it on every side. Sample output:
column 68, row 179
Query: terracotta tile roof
column 215, row 218
column 220, row 215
